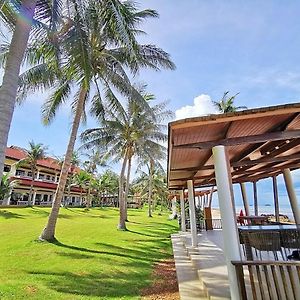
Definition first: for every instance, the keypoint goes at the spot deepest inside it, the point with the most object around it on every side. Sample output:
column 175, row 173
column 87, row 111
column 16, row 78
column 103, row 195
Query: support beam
column 192, row 212
column 182, row 209
column 245, row 198
column 250, row 139
column 276, row 203
column 229, row 225
column 292, row 195
column 255, row 198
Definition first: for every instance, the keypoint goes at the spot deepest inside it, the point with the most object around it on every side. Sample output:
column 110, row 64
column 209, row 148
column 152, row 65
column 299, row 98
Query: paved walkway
column 188, row 281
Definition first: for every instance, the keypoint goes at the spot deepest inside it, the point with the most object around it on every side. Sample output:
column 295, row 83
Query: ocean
column 263, row 209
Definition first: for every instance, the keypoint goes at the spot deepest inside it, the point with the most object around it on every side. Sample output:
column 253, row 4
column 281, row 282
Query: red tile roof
column 49, row 162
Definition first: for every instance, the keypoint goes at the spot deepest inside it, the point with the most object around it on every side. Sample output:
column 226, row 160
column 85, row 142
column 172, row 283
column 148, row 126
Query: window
column 20, row 173
column 48, row 177
column 45, row 198
column 6, row 168
column 41, row 176
column 29, row 174
column 53, row 178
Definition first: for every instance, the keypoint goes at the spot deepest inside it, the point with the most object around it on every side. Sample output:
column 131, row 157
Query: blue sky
column 250, row 47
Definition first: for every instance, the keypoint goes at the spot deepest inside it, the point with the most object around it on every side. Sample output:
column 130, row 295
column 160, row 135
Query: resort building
column 44, row 184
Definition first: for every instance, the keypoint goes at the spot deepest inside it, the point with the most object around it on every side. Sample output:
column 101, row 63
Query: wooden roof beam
column 251, row 139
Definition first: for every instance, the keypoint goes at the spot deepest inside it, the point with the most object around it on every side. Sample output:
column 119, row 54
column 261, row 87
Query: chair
column 290, row 239
column 268, row 241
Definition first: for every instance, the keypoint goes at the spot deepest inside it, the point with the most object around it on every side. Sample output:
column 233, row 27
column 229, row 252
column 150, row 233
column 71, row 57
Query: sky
column 245, row 47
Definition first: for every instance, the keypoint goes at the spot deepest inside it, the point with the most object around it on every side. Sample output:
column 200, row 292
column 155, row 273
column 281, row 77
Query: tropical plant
column 226, row 104
column 36, row 152
column 128, row 131
column 6, row 186
column 18, row 17
column 82, row 179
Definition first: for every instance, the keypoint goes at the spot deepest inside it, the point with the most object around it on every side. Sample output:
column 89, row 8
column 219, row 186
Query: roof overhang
column 261, row 143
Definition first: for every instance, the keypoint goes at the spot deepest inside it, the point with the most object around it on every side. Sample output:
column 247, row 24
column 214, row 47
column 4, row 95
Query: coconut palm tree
column 6, row 186
column 82, row 179
column 130, row 130
column 226, row 104
column 36, row 152
column 92, row 53
column 18, row 16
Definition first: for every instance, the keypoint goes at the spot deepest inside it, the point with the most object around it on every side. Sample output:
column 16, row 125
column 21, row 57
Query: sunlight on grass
column 89, row 260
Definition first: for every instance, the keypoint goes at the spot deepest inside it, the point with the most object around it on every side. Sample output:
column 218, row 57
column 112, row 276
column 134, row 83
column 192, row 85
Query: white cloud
column 203, row 105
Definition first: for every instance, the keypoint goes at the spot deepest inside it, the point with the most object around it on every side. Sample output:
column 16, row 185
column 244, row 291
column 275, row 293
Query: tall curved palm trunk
column 49, row 231
column 122, row 208
column 150, row 189
column 8, row 90
column 127, row 187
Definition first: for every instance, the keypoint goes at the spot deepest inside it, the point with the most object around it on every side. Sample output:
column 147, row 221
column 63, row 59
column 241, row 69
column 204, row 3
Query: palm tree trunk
column 31, row 187
column 127, row 187
column 89, row 196
column 9, row 87
column 122, row 224
column 49, row 231
column 150, row 189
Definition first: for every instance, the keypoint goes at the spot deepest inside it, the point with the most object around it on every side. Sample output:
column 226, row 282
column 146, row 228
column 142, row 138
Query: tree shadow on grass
column 9, row 215
column 87, row 214
column 97, row 284
column 122, row 253
column 73, row 255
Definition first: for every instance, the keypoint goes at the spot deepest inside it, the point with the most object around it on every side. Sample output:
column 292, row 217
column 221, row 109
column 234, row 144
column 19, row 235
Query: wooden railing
column 268, row 279
column 210, row 224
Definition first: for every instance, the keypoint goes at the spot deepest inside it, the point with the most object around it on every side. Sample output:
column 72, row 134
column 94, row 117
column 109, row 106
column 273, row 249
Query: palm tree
column 35, row 153
column 82, row 179
column 130, row 130
column 6, row 186
column 226, row 104
column 75, row 161
column 20, row 21
column 93, row 53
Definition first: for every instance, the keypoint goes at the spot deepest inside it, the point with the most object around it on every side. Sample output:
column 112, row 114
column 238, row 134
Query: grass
column 89, row 260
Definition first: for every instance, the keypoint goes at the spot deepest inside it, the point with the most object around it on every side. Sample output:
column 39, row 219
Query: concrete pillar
column 229, row 224
column 255, row 199
column 182, row 209
column 37, row 174
column 174, row 207
column 245, row 198
column 192, row 212
column 276, row 203
column 292, row 195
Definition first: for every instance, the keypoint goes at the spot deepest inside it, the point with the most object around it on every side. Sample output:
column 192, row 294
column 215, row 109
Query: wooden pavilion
column 245, row 146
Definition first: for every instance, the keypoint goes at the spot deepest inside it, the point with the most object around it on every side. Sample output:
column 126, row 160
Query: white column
column 275, row 193
column 245, row 198
column 174, row 207
column 182, row 209
column 192, row 212
column 292, row 195
column 37, row 174
column 229, row 225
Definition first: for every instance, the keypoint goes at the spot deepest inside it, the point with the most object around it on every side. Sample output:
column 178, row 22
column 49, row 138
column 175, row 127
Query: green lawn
column 91, row 260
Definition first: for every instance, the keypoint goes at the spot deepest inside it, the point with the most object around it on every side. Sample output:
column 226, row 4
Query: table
column 262, row 228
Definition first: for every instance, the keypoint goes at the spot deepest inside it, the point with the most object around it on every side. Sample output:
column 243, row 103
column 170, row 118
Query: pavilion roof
column 261, row 143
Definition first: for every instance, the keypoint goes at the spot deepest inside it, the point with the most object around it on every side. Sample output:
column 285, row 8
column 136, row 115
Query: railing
column 210, row 224
column 268, row 279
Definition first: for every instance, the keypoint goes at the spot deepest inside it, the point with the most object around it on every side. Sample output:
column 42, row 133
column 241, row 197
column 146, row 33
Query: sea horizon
column 265, row 209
